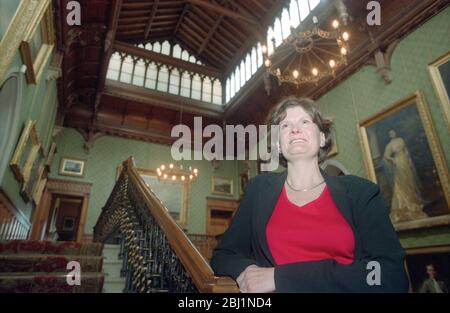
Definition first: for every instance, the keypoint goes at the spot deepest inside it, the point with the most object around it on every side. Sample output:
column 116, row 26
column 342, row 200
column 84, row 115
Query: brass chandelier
column 174, row 173
column 308, row 56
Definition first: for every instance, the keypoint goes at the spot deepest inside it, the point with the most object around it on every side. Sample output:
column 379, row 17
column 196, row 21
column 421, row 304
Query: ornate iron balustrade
column 157, row 255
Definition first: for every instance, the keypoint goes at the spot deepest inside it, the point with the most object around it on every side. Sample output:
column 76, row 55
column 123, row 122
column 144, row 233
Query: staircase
column 112, row 267
column 41, row 266
column 157, row 255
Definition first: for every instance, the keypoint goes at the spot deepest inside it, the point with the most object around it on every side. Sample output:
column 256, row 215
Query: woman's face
column 300, row 137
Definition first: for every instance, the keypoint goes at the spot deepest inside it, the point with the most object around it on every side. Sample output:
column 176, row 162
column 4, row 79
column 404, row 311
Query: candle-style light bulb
column 335, row 24
column 345, row 36
column 264, row 49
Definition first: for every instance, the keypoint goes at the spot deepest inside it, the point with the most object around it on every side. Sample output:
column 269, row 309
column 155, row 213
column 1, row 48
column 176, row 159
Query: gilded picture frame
column 222, row 185
column 173, row 195
column 402, row 154
column 38, row 42
column 26, row 152
column 29, row 188
column 439, row 71
column 244, row 177
column 334, row 147
column 418, row 262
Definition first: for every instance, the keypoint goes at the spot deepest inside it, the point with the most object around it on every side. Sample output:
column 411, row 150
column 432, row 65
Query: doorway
column 64, row 218
column 62, row 211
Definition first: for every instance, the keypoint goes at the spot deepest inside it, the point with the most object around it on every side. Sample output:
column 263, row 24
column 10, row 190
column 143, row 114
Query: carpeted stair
column 41, row 266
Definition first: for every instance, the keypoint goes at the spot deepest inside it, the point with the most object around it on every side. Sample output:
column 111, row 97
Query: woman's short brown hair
column 278, row 114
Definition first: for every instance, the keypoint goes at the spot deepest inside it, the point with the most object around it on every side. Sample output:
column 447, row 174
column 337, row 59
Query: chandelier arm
column 280, row 49
column 329, row 52
column 290, row 62
column 326, row 43
column 309, row 61
column 299, row 64
column 318, row 57
column 280, row 60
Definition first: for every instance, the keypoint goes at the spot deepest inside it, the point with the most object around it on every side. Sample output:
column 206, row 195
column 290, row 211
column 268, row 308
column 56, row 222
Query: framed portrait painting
column 440, row 75
column 427, row 264
column 402, row 154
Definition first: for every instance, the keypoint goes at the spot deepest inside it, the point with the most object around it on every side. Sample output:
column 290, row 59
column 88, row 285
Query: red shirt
column 312, row 232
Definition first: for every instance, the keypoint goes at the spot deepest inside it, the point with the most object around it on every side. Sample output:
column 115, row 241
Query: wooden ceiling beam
column 133, row 20
column 122, row 28
column 155, row 23
column 236, row 36
column 211, row 32
column 150, row 20
column 199, row 39
column 136, row 5
column 222, row 10
column 129, row 33
column 162, row 58
column 197, row 28
column 227, row 40
column 180, row 19
column 173, row 17
column 116, row 6
column 140, row 13
column 257, row 3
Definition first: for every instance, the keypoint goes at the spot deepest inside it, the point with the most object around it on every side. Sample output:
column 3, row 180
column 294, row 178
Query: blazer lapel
column 339, row 194
column 269, row 200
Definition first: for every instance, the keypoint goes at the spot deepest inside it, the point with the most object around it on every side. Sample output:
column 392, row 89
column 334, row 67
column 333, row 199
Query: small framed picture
column 68, row 223
column 222, row 185
column 72, row 167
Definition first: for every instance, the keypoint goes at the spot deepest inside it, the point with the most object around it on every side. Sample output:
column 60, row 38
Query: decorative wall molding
column 69, row 186
column 382, row 61
column 16, row 32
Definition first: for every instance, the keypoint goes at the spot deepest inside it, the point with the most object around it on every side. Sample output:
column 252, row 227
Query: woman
column 407, row 203
column 304, row 231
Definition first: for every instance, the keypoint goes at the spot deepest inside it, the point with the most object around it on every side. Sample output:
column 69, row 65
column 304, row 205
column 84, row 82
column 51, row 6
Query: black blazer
column 360, row 202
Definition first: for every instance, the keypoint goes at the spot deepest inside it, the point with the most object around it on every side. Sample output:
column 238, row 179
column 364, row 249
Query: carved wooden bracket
column 382, row 61
column 90, row 136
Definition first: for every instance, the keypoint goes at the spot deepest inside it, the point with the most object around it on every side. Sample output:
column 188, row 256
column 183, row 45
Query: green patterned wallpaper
column 365, row 93
column 108, row 152
column 40, row 104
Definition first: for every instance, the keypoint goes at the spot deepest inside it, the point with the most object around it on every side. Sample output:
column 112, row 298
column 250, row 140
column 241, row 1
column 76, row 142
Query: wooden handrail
column 195, row 264
column 13, row 223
